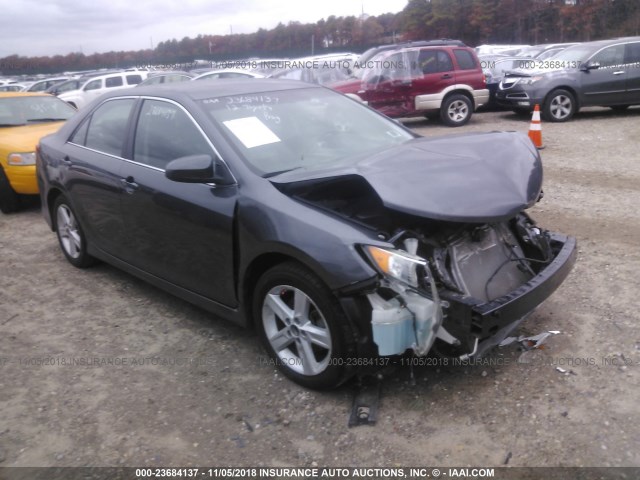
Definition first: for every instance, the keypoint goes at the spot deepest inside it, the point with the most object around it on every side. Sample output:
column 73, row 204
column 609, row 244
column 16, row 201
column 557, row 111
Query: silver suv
column 603, row 73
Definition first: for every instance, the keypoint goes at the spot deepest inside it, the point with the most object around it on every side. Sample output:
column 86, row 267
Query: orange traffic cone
column 535, row 130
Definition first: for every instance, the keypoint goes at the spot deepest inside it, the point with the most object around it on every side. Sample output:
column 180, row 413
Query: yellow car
column 24, row 119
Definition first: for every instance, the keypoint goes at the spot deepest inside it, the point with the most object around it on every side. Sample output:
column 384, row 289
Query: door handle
column 619, row 72
column 129, row 184
column 446, row 75
column 66, row 160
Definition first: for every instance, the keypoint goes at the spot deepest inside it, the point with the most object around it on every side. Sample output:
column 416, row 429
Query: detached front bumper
column 414, row 320
column 481, row 325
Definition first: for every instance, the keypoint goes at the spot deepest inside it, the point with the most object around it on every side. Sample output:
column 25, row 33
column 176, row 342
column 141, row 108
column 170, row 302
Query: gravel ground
column 209, row 397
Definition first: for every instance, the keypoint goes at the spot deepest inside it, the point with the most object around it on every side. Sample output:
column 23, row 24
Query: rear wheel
column 559, row 106
column 9, row 199
column 302, row 326
column 456, row 110
column 70, row 235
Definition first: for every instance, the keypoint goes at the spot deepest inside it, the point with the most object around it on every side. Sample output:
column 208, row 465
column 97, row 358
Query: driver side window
column 165, row 132
column 610, row 56
column 93, row 85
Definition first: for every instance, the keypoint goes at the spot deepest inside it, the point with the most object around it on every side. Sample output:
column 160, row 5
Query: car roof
column 48, row 79
column 604, row 43
column 24, row 94
column 221, row 88
column 226, row 70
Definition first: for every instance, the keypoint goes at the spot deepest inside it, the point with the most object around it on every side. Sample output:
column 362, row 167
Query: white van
column 96, row 86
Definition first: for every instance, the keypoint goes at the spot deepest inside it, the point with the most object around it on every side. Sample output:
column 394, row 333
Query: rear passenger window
column 633, row 53
column 165, row 132
column 113, row 82
column 107, row 127
column 80, row 135
column 465, row 60
column 434, row 61
column 133, row 79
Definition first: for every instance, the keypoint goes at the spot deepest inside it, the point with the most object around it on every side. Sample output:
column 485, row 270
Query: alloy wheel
column 296, row 330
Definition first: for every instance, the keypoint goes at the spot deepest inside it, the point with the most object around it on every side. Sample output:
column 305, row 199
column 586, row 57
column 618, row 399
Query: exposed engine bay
column 457, row 270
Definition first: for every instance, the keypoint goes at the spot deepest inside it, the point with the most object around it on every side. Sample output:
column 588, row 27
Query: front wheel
column 70, row 235
column 302, row 326
column 559, row 106
column 456, row 110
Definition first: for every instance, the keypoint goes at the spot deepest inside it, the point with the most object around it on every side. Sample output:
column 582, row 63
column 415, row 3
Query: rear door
column 91, row 169
column 469, row 71
column 180, row 232
column 632, row 61
column 436, row 72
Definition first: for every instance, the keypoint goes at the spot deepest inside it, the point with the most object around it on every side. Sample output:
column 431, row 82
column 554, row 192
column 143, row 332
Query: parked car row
column 439, row 79
column 601, row 73
column 563, row 78
column 93, row 87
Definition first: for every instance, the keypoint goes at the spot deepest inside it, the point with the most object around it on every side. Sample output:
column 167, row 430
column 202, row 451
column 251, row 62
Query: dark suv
column 603, row 73
column 444, row 81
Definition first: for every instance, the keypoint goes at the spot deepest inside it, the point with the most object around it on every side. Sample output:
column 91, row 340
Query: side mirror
column 590, row 66
column 198, row 169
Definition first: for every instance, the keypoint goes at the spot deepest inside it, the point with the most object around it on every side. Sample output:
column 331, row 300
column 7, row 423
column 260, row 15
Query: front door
column 606, row 85
column 180, row 232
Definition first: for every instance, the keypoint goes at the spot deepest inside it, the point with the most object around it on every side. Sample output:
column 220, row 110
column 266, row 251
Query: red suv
column 443, row 81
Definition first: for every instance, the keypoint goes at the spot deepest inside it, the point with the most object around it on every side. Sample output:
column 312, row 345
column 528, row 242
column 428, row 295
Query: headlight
column 22, row 158
column 396, row 264
column 531, row 80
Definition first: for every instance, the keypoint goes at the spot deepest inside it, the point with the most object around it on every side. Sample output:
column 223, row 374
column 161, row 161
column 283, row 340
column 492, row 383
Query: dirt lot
column 205, row 395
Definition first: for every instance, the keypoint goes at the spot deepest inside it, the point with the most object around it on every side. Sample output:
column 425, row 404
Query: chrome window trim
column 161, row 99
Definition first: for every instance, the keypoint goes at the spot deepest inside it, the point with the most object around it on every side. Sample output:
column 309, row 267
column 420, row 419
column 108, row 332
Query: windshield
column 499, row 67
column 17, row 111
column 530, row 52
column 579, row 53
column 309, row 128
column 64, row 86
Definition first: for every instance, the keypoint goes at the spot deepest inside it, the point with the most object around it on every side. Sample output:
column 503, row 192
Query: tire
column 302, row 326
column 559, row 106
column 9, row 199
column 619, row 108
column 70, row 235
column 456, row 110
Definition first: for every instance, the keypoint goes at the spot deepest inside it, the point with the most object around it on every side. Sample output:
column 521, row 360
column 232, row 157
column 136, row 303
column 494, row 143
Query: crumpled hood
column 463, row 178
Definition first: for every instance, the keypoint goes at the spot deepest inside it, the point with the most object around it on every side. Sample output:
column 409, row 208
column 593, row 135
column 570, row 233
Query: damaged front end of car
column 467, row 286
column 460, row 264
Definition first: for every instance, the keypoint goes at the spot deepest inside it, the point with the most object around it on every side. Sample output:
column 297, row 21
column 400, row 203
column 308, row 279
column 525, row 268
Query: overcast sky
column 51, row 27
